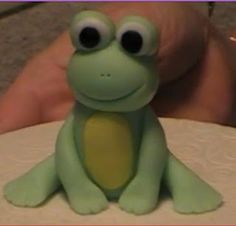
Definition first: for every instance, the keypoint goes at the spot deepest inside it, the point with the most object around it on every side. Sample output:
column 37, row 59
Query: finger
column 39, row 94
column 232, row 35
column 183, row 33
column 60, row 51
column 18, row 109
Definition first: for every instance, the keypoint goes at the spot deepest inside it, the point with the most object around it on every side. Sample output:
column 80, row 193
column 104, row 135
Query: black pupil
column 89, row 37
column 132, row 41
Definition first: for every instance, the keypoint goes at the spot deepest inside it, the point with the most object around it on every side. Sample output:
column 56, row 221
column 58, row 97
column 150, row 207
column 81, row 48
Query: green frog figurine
column 112, row 146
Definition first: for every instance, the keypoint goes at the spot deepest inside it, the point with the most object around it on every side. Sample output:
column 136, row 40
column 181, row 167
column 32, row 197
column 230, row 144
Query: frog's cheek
column 120, row 100
column 109, row 96
column 109, row 99
column 128, row 103
column 108, row 86
column 111, row 79
column 107, row 74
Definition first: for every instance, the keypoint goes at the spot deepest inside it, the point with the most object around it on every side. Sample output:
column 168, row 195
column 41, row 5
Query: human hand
column 194, row 62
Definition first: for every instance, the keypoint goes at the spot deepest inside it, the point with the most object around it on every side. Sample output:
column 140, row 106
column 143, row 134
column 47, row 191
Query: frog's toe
column 90, row 208
column 89, row 204
column 137, row 209
column 21, row 193
column 197, row 203
column 190, row 193
column 137, row 205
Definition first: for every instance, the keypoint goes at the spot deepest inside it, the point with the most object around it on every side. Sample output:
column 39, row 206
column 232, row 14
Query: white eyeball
column 91, row 32
column 137, row 37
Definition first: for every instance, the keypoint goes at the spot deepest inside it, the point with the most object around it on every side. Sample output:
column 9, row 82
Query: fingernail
column 233, row 39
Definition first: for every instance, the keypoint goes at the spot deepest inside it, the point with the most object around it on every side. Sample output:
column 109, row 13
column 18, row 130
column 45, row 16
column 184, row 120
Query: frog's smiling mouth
column 109, row 99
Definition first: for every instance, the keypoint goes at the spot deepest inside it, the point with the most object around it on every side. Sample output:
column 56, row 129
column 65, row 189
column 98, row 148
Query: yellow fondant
column 108, row 145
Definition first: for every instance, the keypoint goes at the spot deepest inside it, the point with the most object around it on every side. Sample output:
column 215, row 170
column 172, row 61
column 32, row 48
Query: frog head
column 113, row 67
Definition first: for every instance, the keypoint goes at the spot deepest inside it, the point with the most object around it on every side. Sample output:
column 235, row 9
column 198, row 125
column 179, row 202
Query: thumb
column 182, row 33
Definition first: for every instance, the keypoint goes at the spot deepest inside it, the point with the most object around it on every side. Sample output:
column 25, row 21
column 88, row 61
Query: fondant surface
column 208, row 149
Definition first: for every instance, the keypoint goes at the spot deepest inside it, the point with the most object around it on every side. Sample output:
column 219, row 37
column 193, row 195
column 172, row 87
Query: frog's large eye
column 91, row 30
column 137, row 36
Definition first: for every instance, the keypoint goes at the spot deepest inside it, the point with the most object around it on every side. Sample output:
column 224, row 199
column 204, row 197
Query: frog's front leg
column 141, row 195
column 34, row 187
column 190, row 193
column 84, row 196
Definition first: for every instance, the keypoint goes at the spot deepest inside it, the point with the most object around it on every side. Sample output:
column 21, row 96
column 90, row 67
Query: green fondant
column 190, row 194
column 112, row 147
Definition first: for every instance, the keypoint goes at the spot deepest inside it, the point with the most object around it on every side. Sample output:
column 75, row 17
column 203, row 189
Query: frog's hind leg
column 34, row 187
column 190, row 194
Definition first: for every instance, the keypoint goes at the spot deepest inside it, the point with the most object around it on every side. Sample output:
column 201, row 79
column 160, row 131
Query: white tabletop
column 208, row 149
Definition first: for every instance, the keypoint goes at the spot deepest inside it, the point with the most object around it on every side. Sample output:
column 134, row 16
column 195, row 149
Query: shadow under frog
column 112, row 146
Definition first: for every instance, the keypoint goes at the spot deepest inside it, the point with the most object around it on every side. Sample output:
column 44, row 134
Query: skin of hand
column 195, row 63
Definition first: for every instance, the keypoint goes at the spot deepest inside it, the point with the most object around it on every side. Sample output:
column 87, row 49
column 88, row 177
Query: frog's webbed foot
column 140, row 197
column 190, row 193
column 34, row 187
column 87, row 198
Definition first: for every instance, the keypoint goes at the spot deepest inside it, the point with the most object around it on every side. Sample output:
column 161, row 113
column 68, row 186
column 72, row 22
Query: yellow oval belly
column 108, row 148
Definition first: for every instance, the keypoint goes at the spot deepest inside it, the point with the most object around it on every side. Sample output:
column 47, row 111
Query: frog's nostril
column 107, row 75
